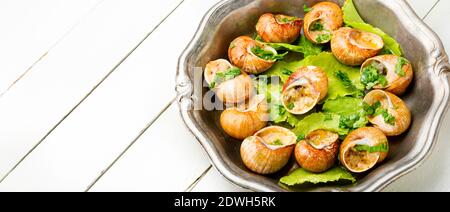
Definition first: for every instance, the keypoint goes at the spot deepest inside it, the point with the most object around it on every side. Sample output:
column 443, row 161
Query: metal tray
column 427, row 98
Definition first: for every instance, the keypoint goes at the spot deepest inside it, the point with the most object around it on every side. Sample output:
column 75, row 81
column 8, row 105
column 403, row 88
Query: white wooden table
column 77, row 111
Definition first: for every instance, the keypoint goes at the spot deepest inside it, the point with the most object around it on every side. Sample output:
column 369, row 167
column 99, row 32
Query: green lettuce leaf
column 354, row 20
column 351, row 13
column 331, row 66
column 283, row 69
column 325, row 60
column 301, row 176
column 351, row 110
column 303, row 45
column 319, row 121
column 344, row 106
column 277, row 112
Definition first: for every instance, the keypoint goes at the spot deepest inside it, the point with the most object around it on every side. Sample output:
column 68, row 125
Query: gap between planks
column 428, row 13
column 89, row 93
column 131, row 144
column 196, row 181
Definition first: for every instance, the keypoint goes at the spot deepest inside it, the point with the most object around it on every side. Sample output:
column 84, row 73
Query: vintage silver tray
column 427, row 98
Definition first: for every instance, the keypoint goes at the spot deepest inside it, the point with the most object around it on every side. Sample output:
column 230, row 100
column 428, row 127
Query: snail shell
column 304, row 89
column 316, row 75
column 387, row 64
column 243, row 122
column 361, row 161
column 352, row 47
column 395, row 107
column 241, row 55
column 279, row 28
column 329, row 15
column 317, row 153
column 269, row 150
column 231, row 91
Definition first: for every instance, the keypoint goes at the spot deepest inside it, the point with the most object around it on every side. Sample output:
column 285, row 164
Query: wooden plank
column 422, row 7
column 438, row 21
column 122, row 176
column 433, row 174
column 39, row 102
column 166, row 158
column 30, row 29
column 213, row 181
column 115, row 113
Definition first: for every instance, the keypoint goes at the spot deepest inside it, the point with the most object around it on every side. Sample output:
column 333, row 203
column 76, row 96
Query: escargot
column 394, row 73
column 269, row 150
column 278, row 28
column 352, row 46
column 322, row 21
column 304, row 89
column 388, row 112
column 318, row 151
column 363, row 148
column 252, row 56
column 246, row 119
column 230, row 84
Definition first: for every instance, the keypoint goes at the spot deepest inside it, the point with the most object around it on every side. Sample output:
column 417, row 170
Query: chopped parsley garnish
column 370, row 109
column 323, row 38
column 347, row 82
column 371, row 76
column 290, row 106
column 224, row 76
column 287, row 72
column 300, row 137
column 399, row 67
column 212, row 85
column 281, row 110
column 317, row 26
column 388, row 118
column 376, row 110
column 307, row 9
column 348, row 122
column 371, row 149
column 258, row 38
column 267, row 55
column 277, row 143
column 277, row 111
column 286, row 19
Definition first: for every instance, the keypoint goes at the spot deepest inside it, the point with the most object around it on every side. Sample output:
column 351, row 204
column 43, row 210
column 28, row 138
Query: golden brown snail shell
column 329, row 15
column 261, row 156
column 279, row 28
column 361, row 161
column 304, row 89
column 353, row 47
column 316, row 75
column 241, row 55
column 397, row 84
column 317, row 153
column 395, row 107
column 245, row 121
column 231, row 91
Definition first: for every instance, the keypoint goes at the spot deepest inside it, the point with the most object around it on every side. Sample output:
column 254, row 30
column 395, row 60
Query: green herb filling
column 267, row 55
